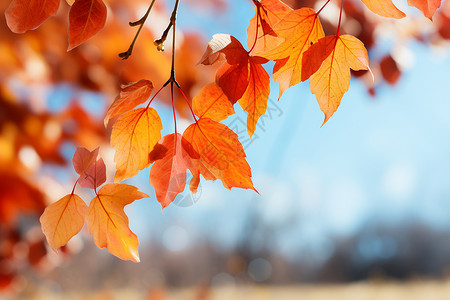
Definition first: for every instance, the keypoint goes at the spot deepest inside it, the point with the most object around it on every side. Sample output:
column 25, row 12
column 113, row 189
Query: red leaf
column 92, row 170
column 168, row 173
column 23, row 15
column 86, row 18
column 428, row 7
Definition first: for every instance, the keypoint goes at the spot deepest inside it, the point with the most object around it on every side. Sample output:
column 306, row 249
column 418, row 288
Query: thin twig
column 141, row 22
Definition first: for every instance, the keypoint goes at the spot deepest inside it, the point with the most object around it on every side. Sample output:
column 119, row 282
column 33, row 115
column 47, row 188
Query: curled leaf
column 130, row 96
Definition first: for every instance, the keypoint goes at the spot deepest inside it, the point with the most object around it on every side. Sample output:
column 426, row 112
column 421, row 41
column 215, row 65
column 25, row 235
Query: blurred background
column 356, row 209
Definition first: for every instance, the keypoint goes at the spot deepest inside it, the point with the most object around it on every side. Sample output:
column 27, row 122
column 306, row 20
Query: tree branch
column 140, row 22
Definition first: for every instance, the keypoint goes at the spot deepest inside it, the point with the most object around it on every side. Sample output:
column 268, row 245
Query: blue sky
column 382, row 158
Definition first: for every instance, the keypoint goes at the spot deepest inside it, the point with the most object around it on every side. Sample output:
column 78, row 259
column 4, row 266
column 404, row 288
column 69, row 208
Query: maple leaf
column 134, row 135
column 168, row 174
column 129, row 97
column 268, row 13
column 428, row 7
column 86, row 18
column 221, row 155
column 92, row 171
column 300, row 28
column 63, row 219
column 23, row 15
column 242, row 77
column 254, row 100
column 331, row 59
column 384, row 8
column 108, row 223
column 212, row 103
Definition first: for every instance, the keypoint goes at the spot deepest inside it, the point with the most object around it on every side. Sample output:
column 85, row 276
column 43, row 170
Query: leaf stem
column 258, row 16
column 326, row 3
column 140, row 22
column 154, row 96
column 189, row 104
column 76, row 182
column 173, row 108
column 340, row 18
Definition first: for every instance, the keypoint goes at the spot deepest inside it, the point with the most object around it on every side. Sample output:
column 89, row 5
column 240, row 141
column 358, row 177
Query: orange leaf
column 86, row 18
column 168, row 173
column 92, row 170
column 63, row 219
column 221, row 154
column 130, row 96
column 300, row 28
column 23, row 15
column 212, row 103
column 254, row 100
column 270, row 13
column 428, row 7
column 134, row 135
column 384, row 8
column 332, row 79
column 108, row 222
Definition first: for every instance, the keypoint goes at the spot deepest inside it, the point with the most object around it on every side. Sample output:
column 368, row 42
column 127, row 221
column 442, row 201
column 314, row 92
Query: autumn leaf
column 212, row 103
column 134, row 135
column 168, row 173
column 254, row 100
column 86, row 18
column 332, row 78
column 233, row 79
column 108, row 223
column 384, row 8
column 63, row 219
column 130, row 96
column 262, row 37
column 241, row 78
column 221, row 154
column 300, row 28
column 428, row 7
column 223, row 45
column 23, row 15
column 92, row 171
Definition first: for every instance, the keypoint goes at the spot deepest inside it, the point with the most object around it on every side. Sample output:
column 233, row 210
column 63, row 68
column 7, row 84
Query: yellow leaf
column 330, row 82
column 108, row 222
column 134, row 135
column 221, row 155
column 63, row 219
column 300, row 28
column 384, row 8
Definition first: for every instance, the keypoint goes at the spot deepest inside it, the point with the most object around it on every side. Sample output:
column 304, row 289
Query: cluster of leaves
column 293, row 39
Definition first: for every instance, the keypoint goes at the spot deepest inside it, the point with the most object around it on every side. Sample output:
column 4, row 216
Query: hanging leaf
column 63, row 219
column 23, row 15
column 134, row 135
column 86, row 18
column 332, row 78
column 108, row 223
